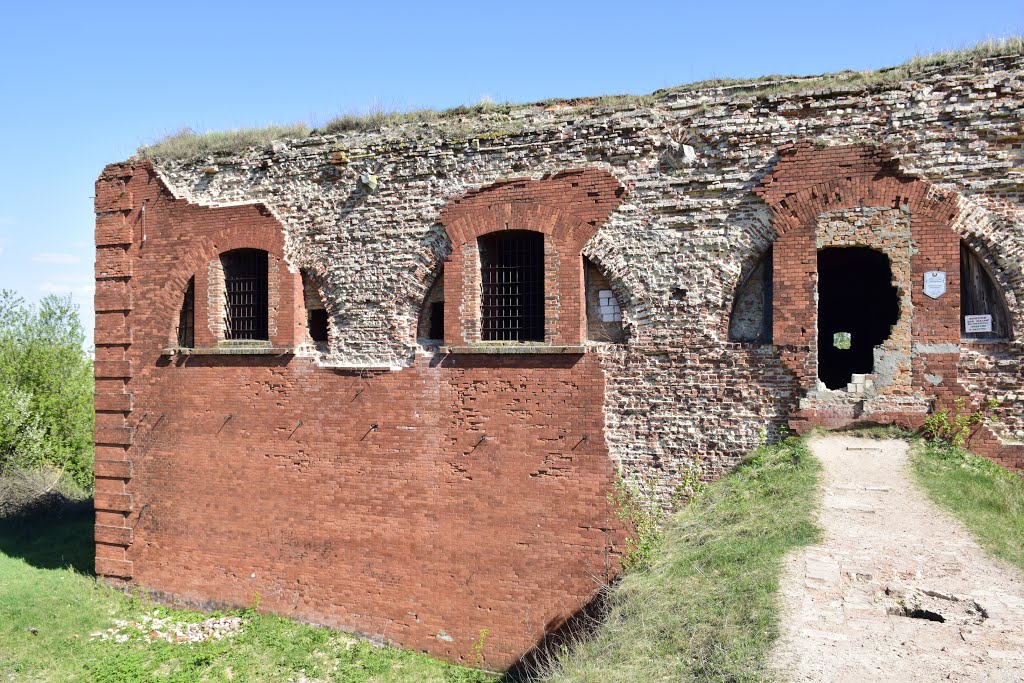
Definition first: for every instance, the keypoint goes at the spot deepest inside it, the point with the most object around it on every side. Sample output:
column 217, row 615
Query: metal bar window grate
column 187, row 318
column 245, row 286
column 512, row 283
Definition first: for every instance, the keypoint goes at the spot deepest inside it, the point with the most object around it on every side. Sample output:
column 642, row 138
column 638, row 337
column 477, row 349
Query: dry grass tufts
column 778, row 85
column 188, row 144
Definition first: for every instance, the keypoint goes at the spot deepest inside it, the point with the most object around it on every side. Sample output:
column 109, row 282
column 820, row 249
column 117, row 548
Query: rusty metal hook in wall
column 295, row 430
column 583, row 440
column 373, row 428
column 226, row 420
column 483, row 437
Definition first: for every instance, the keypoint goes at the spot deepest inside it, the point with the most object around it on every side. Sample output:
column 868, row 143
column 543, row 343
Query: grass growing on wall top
column 50, row 604
column 705, row 609
column 986, row 498
column 187, row 144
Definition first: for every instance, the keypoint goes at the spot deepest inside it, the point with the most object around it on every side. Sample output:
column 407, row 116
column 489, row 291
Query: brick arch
column 567, row 207
column 628, row 288
column 979, row 229
column 562, row 227
column 255, row 228
column 750, row 261
column 435, row 248
column 809, row 181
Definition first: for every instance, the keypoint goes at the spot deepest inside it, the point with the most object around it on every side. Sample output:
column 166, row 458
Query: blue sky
column 84, row 84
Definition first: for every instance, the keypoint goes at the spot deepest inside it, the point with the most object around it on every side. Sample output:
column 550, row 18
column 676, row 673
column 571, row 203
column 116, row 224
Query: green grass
column 986, row 498
column 186, row 144
column 50, row 604
column 706, row 609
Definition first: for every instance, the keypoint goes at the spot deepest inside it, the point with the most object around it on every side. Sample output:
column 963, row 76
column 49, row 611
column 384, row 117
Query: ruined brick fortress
column 386, row 379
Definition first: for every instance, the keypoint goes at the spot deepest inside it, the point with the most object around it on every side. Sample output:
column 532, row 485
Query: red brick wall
column 478, row 500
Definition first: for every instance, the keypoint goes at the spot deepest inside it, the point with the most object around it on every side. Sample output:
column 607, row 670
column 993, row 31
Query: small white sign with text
column 935, row 283
column 977, row 323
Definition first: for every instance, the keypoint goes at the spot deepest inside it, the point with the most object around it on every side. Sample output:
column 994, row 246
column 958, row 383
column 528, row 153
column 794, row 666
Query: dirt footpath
column 897, row 590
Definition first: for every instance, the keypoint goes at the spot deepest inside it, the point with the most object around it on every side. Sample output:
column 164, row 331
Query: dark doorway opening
column 857, row 307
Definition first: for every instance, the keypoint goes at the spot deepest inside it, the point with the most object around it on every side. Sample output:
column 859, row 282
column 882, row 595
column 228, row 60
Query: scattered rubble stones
column 153, row 627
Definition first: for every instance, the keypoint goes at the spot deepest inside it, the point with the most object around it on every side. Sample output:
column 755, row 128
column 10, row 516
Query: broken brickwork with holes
column 410, row 480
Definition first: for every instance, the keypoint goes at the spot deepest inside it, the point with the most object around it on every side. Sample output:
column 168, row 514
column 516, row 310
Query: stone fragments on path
column 897, row 590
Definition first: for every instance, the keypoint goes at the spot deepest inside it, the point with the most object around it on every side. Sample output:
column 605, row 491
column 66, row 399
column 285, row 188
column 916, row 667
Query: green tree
column 46, row 388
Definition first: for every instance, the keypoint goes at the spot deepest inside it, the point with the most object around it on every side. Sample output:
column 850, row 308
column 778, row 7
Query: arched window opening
column 751, row 316
column 187, row 317
column 245, row 290
column 512, row 286
column 317, row 326
column 983, row 312
column 604, row 314
column 431, row 323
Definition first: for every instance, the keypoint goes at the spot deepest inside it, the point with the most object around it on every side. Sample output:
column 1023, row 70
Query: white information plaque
column 977, row 323
column 935, row 283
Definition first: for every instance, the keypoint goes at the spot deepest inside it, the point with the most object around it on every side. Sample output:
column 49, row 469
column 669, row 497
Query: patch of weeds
column 644, row 516
column 955, row 425
column 881, row 432
column 842, row 80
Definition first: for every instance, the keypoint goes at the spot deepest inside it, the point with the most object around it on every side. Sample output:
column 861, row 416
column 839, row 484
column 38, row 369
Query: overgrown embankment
column 704, row 608
column 986, row 498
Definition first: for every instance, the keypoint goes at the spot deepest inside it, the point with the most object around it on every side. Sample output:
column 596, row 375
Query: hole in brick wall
column 437, row 320
column 856, row 297
column 751, row 317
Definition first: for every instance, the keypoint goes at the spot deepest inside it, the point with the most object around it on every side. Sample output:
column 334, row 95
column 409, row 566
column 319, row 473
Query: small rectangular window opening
column 317, row 323
column 187, row 318
column 436, row 320
column 512, row 280
column 245, row 284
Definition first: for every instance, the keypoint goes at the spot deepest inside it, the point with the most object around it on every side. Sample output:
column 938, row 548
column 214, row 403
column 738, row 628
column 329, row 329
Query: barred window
column 512, row 282
column 245, row 287
column 187, row 317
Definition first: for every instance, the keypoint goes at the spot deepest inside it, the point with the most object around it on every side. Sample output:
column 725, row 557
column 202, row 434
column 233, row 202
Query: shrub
column 46, row 408
column 955, row 426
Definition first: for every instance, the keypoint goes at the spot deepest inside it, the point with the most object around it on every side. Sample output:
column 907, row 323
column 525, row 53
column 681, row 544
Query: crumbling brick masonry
column 386, row 380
